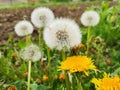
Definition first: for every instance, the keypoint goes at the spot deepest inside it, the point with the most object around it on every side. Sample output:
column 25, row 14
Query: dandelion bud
column 38, row 80
column 55, row 77
column 14, row 55
column 18, row 63
column 92, row 50
column 25, row 74
column 108, row 61
column 12, row 87
column 62, row 76
column 45, row 77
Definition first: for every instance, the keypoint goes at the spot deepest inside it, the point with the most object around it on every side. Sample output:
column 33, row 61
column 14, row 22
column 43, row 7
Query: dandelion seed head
column 62, row 33
column 31, row 52
column 23, row 28
column 90, row 18
column 42, row 16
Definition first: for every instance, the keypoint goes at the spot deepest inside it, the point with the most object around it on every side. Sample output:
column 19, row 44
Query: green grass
column 22, row 5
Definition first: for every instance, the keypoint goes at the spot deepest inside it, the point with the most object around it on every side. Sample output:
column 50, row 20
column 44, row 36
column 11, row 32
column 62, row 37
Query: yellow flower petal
column 77, row 64
column 107, row 83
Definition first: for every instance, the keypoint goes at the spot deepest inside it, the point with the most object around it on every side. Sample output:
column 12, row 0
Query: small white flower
column 31, row 52
column 90, row 18
column 42, row 16
column 62, row 33
column 23, row 28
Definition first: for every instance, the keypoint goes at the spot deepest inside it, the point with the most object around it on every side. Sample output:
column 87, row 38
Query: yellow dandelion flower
column 78, row 64
column 107, row 83
column 45, row 77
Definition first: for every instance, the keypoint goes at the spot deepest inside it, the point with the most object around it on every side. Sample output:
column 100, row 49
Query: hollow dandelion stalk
column 79, row 85
column 48, row 54
column 88, row 40
column 39, row 37
column 29, row 74
column 68, row 84
column 29, row 63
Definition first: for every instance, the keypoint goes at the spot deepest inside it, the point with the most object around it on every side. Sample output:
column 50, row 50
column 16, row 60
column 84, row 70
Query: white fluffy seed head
column 62, row 33
column 23, row 28
column 90, row 18
column 42, row 16
column 31, row 52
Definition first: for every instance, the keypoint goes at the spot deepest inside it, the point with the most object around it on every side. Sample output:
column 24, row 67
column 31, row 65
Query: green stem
column 68, row 84
column 40, row 41
column 48, row 55
column 63, row 55
column 98, row 56
column 29, row 74
column 79, row 86
column 28, row 40
column 88, row 40
column 49, row 65
column 39, row 38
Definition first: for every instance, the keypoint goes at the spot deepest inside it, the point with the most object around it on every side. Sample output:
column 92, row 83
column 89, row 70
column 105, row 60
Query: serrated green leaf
column 33, row 86
column 116, row 72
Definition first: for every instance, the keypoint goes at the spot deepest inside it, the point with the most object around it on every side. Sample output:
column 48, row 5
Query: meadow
column 62, row 53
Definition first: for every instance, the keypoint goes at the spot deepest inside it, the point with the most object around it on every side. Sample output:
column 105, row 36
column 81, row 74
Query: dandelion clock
column 90, row 18
column 41, row 16
column 62, row 33
column 31, row 53
column 23, row 28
